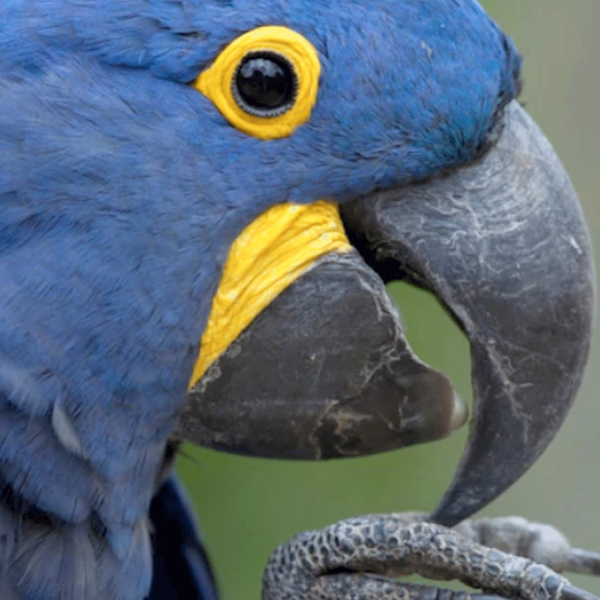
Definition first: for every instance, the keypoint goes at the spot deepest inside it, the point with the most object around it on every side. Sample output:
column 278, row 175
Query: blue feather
column 121, row 191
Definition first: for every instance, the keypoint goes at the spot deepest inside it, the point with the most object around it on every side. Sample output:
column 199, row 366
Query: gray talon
column 570, row 592
column 584, row 562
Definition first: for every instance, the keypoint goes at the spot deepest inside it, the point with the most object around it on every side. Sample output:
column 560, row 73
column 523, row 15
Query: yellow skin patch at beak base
column 268, row 256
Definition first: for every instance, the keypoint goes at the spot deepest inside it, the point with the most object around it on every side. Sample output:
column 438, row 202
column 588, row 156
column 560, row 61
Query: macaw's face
column 201, row 150
column 443, row 180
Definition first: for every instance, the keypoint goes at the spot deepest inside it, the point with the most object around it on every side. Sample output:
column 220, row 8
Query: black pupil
column 265, row 81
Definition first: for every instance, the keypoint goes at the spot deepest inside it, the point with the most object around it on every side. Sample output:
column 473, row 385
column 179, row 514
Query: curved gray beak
column 325, row 370
column 504, row 246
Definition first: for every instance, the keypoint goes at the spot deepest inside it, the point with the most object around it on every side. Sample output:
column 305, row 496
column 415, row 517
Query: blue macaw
column 174, row 264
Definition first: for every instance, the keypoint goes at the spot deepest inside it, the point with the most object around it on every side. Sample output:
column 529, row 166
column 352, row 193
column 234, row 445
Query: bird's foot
column 359, row 558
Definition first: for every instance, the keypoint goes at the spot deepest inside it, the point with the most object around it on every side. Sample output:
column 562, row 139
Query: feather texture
column 122, row 189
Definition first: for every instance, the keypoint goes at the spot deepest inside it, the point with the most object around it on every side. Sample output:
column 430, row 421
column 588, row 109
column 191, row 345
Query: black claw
column 570, row 592
column 584, row 562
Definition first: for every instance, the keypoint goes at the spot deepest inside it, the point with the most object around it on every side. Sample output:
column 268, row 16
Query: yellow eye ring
column 281, row 46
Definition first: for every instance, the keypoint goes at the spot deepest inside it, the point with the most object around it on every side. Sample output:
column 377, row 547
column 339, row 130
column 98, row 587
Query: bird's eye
column 265, row 82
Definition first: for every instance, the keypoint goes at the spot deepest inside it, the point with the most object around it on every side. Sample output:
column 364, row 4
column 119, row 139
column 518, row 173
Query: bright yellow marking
column 269, row 255
column 216, row 81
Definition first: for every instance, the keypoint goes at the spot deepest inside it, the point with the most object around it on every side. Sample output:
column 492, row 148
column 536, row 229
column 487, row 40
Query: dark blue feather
column 182, row 570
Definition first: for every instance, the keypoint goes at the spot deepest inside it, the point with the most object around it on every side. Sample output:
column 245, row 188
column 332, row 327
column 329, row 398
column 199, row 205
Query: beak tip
column 460, row 413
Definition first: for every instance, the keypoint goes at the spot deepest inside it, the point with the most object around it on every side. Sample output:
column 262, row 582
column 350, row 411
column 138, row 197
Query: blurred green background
column 249, row 506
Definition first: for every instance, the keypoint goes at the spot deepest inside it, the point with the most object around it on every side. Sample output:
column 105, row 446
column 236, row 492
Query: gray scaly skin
column 355, row 559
